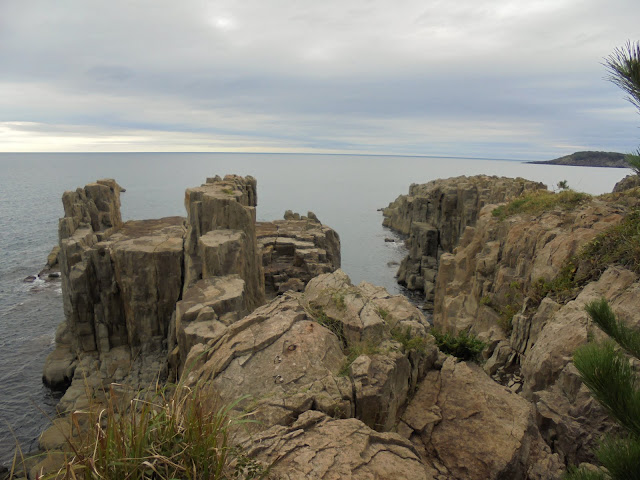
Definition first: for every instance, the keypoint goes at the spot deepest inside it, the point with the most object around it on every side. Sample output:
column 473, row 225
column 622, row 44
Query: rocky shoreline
column 345, row 381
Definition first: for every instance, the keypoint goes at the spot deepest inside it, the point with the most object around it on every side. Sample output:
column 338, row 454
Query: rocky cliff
column 520, row 281
column 345, row 381
column 434, row 215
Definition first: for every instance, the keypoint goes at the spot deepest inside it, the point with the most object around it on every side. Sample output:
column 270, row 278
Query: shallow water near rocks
column 344, row 191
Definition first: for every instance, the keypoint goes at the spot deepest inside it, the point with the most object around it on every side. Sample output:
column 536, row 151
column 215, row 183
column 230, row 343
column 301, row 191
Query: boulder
column 305, row 344
column 467, row 426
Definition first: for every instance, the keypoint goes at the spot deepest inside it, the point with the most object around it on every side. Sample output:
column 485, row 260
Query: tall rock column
column 221, row 234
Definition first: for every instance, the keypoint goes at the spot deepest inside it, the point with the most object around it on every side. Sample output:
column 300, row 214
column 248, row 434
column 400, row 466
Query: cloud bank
column 474, row 78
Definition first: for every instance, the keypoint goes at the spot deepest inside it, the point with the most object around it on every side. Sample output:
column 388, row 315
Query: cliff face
column 493, row 285
column 346, row 381
column 434, row 216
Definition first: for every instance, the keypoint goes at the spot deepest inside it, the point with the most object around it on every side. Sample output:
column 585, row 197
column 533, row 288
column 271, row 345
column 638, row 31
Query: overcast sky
column 515, row 79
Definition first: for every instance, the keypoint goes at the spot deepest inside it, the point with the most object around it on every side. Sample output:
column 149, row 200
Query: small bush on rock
column 465, row 346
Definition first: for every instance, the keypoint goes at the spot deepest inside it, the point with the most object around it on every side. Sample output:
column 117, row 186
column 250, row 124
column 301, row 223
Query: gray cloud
column 500, row 78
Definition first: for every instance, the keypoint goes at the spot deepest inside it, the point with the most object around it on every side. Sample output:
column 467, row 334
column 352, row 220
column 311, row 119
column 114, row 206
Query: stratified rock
column 221, row 238
column 434, row 216
column 319, row 447
column 295, row 251
column 467, row 426
column 206, row 308
column 487, row 279
column 52, row 258
column 122, row 290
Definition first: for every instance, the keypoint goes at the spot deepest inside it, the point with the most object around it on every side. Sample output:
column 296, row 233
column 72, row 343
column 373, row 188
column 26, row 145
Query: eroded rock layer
column 295, row 250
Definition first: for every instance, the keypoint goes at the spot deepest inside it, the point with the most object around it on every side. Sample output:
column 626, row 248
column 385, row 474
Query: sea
column 344, row 191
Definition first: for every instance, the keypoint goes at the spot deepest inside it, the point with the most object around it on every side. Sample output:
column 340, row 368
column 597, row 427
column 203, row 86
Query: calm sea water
column 344, row 191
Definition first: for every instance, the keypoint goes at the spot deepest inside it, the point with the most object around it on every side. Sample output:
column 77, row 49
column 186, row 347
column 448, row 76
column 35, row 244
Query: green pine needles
column 623, row 66
column 606, row 370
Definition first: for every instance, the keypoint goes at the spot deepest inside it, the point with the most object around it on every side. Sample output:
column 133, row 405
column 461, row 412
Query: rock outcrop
column 628, row 182
column 434, row 215
column 295, row 250
column 354, row 380
column 344, row 381
column 493, row 286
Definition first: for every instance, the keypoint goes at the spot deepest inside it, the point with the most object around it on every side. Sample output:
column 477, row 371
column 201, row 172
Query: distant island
column 589, row 159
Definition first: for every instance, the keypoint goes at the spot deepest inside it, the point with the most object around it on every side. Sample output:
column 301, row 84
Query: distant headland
column 589, row 159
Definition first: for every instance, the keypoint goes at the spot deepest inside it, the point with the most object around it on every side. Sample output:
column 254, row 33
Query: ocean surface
column 344, row 191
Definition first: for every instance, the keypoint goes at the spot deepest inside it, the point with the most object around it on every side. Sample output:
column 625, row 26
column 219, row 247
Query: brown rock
column 296, row 250
column 319, row 447
column 470, row 427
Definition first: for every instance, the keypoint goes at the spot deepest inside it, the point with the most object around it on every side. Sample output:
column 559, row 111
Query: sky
column 512, row 79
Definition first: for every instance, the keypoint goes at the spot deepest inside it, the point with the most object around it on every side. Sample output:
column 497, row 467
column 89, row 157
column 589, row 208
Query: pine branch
column 608, row 374
column 602, row 315
column 621, row 457
column 624, row 70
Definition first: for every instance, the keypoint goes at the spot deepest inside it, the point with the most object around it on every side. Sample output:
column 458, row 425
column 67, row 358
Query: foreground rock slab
column 319, row 447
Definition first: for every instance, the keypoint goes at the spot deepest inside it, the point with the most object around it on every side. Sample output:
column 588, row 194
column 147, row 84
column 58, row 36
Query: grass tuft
column 539, row 201
column 174, row 434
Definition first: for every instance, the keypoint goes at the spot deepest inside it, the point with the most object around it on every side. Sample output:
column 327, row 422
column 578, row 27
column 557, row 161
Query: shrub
column 465, row 346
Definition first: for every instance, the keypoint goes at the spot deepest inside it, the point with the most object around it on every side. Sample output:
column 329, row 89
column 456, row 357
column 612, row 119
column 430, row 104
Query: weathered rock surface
column 496, row 263
column 316, row 446
column 296, row 250
column 434, row 216
column 221, row 237
column 303, row 341
column 467, row 426
column 488, row 286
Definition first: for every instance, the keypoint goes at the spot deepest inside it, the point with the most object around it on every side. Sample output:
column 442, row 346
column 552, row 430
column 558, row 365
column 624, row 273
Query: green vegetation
column 465, row 346
column 606, row 370
column 618, row 245
column 338, row 299
column 563, row 185
column 353, row 352
column 334, row 325
column 624, row 71
column 228, row 191
column 384, row 314
column 540, row 201
column 174, row 434
column 407, row 340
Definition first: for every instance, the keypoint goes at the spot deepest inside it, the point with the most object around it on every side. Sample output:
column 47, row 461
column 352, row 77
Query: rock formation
column 295, row 250
column 492, row 285
column 434, row 216
column 345, row 381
